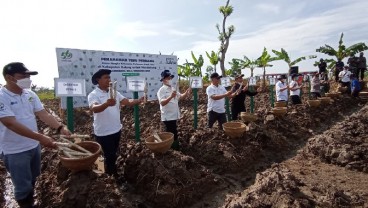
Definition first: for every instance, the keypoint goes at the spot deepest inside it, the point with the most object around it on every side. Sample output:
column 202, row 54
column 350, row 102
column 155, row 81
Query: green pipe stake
column 195, row 107
column 251, row 100
column 272, row 98
column 227, row 104
column 136, row 118
column 309, row 89
column 69, row 111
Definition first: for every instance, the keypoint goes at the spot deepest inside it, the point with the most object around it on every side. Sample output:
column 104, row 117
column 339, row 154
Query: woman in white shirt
column 295, row 90
column 281, row 89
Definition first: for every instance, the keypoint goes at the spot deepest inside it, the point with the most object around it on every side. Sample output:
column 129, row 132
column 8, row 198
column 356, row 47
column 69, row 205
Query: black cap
column 239, row 75
column 215, row 75
column 282, row 76
column 166, row 73
column 17, row 67
column 294, row 75
column 99, row 74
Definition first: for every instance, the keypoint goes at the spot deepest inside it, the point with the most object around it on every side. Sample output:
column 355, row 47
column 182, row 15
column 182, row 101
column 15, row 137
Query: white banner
column 82, row 64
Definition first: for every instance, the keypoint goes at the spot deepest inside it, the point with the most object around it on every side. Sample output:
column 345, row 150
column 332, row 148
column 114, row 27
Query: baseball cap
column 166, row 73
column 99, row 74
column 282, row 76
column 17, row 67
column 239, row 75
column 215, row 75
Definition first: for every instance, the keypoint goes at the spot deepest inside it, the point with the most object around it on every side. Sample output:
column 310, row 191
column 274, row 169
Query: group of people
column 20, row 140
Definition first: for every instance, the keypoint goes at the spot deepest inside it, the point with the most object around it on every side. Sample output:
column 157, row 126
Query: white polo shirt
column 216, row 105
column 281, row 95
column 23, row 108
column 170, row 111
column 345, row 74
column 108, row 121
column 296, row 92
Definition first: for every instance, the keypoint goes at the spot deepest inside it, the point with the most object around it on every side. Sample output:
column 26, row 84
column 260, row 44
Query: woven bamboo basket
column 279, row 111
column 160, row 147
column 280, row 104
column 85, row 163
column 325, row 100
column 234, row 129
column 363, row 94
column 247, row 117
column 332, row 95
column 314, row 103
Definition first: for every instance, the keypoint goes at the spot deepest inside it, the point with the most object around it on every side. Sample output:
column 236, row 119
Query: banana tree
column 247, row 63
column 342, row 51
column 263, row 62
column 224, row 35
column 235, row 68
column 283, row 55
column 197, row 65
column 184, row 70
column 214, row 59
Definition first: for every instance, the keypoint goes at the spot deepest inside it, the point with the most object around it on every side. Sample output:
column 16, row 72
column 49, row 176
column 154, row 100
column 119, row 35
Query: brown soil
column 279, row 162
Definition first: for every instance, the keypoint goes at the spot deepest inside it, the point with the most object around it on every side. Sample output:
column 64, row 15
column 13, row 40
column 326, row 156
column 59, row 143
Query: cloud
column 179, row 33
column 263, row 7
column 137, row 29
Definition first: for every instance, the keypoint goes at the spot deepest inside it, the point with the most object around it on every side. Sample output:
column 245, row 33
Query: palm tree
column 342, row 51
column 214, row 59
column 283, row 55
column 263, row 62
column 247, row 63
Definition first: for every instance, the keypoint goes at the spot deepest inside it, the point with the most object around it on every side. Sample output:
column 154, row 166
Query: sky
column 32, row 29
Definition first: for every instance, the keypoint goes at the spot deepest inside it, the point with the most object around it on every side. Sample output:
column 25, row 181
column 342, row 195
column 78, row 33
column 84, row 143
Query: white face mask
column 24, row 83
column 169, row 82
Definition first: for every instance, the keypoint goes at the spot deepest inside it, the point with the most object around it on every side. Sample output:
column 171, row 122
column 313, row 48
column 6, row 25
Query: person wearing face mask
column 19, row 137
column 168, row 98
column 239, row 93
column 281, row 89
column 294, row 88
column 106, row 120
column 216, row 101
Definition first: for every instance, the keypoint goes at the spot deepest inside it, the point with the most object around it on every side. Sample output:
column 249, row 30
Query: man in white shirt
column 281, row 89
column 106, row 119
column 216, row 101
column 295, row 89
column 19, row 139
column 345, row 78
column 168, row 98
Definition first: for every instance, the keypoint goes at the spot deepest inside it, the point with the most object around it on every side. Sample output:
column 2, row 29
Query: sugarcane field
column 184, row 104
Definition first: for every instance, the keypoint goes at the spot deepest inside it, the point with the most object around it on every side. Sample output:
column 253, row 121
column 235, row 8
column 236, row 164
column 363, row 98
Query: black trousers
column 361, row 70
column 170, row 126
column 315, row 94
column 346, row 84
column 235, row 110
column 295, row 99
column 213, row 117
column 110, row 146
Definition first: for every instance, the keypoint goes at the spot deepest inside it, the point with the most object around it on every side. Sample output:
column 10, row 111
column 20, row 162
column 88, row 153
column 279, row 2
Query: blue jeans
column 24, row 167
column 110, row 147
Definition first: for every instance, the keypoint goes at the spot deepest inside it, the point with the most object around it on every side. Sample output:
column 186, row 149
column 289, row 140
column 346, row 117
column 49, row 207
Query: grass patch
column 46, row 95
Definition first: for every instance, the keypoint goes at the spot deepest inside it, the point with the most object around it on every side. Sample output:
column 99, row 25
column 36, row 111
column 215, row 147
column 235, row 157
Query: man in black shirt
column 322, row 66
column 338, row 68
column 239, row 92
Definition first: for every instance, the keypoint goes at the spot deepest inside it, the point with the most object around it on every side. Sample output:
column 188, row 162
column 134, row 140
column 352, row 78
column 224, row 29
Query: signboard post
column 225, row 81
column 272, row 85
column 70, row 88
column 136, row 84
column 195, row 83
column 252, row 82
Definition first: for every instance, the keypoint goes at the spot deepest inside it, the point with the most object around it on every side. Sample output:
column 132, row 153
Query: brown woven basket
column 234, row 129
column 86, row 163
column 247, row 117
column 325, row 100
column 342, row 89
column 363, row 94
column 280, row 104
column 279, row 111
column 314, row 103
column 332, row 95
column 160, row 147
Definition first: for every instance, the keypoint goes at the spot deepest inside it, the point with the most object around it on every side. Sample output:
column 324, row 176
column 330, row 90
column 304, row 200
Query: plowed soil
column 311, row 157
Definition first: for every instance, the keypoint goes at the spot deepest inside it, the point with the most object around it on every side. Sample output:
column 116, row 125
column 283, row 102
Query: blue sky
column 31, row 30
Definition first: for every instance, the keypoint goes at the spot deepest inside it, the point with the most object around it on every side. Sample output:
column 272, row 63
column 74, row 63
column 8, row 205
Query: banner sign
column 196, row 82
column 225, row 81
column 82, row 64
column 252, row 81
column 70, row 87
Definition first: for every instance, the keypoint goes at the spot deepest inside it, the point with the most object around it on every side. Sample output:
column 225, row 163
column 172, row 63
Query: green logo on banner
column 66, row 55
column 130, row 74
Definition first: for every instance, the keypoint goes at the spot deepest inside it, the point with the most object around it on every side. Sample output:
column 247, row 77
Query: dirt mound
column 345, row 144
column 278, row 187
